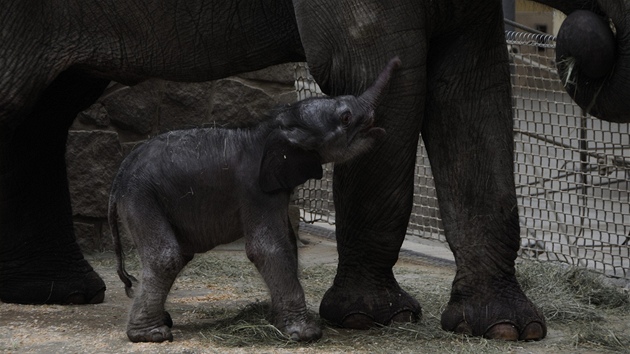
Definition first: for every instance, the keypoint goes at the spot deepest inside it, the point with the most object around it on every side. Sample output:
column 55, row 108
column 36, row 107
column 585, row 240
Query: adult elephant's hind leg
column 468, row 135
column 40, row 261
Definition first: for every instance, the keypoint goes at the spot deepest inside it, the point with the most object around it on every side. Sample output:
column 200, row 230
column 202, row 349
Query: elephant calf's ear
column 285, row 166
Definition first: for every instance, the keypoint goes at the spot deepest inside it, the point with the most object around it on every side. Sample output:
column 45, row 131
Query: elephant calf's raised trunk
column 374, row 93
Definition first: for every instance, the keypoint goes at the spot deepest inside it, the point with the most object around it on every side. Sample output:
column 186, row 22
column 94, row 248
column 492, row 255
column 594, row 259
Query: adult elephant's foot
column 362, row 305
column 500, row 313
column 88, row 288
column 57, row 278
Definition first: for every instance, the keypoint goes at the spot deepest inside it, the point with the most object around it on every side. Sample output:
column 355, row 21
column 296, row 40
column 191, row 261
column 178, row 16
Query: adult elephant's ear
column 285, row 166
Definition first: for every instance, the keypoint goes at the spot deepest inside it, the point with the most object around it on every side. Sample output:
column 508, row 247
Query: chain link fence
column 572, row 171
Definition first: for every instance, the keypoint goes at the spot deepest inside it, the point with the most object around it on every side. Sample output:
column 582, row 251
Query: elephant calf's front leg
column 276, row 260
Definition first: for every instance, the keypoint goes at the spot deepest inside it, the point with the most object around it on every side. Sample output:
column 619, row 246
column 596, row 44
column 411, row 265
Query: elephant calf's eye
column 345, row 118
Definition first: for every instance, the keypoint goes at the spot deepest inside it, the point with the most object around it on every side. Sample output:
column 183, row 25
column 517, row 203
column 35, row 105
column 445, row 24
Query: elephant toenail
column 98, row 298
column 404, row 316
column 534, row 331
column 358, row 321
column 503, row 331
column 463, row 328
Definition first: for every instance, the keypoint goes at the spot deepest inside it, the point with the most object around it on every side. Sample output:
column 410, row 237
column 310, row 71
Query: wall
column 105, row 133
column 534, row 15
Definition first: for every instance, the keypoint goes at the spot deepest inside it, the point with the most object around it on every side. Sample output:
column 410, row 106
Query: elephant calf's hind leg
column 148, row 321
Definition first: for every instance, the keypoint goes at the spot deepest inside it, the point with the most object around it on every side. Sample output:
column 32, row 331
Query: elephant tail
column 125, row 277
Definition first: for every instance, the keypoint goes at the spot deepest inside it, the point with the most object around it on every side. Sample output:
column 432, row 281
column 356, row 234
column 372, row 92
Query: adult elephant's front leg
column 40, row 261
column 468, row 135
column 373, row 201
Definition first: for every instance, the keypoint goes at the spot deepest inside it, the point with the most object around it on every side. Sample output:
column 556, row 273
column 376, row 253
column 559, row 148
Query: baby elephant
column 187, row 191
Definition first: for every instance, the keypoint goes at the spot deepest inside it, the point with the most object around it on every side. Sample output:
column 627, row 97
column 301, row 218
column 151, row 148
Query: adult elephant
column 56, row 58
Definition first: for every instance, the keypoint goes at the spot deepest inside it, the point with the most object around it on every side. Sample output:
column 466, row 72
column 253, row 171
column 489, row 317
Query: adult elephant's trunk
column 372, row 96
column 593, row 60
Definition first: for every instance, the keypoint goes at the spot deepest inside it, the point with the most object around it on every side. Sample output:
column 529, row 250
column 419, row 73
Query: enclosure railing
column 572, row 171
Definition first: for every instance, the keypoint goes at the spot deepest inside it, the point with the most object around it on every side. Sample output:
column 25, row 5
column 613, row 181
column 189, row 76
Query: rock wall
column 106, row 132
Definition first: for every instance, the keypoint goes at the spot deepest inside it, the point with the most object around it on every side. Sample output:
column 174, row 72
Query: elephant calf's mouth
column 368, row 125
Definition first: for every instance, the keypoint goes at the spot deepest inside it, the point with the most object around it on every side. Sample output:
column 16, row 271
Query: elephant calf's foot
column 302, row 331
column 77, row 289
column 155, row 334
column 363, row 307
column 495, row 318
column 296, row 324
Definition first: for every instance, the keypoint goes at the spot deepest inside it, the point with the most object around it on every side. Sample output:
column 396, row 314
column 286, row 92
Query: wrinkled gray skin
column 57, row 56
column 187, row 191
